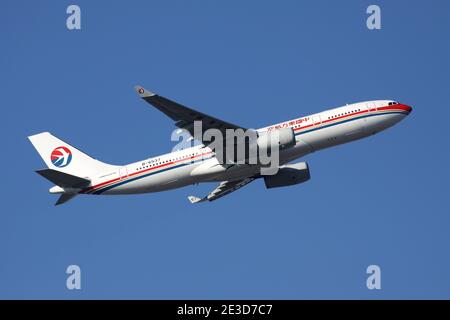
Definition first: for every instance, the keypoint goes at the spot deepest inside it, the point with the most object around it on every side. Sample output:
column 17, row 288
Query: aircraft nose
column 407, row 108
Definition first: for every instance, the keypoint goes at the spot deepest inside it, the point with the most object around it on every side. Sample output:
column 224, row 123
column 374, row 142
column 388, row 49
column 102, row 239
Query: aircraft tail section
column 69, row 169
column 66, row 184
column 62, row 157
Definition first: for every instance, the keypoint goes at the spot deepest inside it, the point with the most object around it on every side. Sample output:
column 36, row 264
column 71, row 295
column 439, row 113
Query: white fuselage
column 199, row 164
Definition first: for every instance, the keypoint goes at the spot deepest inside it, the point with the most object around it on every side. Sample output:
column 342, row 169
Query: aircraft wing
column 224, row 188
column 183, row 116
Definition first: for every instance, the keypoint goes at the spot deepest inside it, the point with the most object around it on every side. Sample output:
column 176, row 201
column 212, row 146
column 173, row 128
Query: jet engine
column 288, row 175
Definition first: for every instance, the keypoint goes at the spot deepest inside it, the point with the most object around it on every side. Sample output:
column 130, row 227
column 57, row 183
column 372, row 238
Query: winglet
column 193, row 199
column 142, row 92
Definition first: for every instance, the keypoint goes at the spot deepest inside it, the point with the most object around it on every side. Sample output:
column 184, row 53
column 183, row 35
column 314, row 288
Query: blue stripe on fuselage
column 185, row 164
column 348, row 120
column 143, row 176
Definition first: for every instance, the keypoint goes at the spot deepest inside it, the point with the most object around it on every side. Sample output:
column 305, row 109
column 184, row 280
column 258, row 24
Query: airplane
column 75, row 173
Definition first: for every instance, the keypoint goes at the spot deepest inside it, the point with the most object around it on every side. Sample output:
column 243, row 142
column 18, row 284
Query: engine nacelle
column 280, row 138
column 288, row 175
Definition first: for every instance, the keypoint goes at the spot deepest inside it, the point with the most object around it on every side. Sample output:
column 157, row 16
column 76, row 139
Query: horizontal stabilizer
column 64, row 198
column 63, row 180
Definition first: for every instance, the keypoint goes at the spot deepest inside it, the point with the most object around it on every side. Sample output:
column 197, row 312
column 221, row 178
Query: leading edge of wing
column 183, row 116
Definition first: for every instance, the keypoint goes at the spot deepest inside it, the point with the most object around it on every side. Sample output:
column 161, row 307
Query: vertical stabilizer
column 61, row 156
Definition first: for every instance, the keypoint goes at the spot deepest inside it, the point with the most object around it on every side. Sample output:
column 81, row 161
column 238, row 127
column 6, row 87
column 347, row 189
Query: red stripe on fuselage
column 393, row 107
column 142, row 171
column 396, row 106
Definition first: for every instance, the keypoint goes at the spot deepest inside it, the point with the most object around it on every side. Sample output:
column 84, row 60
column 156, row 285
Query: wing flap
column 224, row 188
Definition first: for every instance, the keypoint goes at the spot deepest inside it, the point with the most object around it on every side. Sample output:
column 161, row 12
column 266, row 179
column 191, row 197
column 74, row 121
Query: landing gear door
column 123, row 172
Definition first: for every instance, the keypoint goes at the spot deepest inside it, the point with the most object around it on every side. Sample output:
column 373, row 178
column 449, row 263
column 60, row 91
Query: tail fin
column 62, row 157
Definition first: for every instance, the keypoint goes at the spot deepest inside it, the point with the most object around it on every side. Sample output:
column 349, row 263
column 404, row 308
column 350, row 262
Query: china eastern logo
column 61, row 157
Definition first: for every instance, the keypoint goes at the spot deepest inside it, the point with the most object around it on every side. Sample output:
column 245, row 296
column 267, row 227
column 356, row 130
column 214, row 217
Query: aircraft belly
column 336, row 134
column 381, row 122
column 300, row 149
column 320, row 138
column 171, row 179
column 236, row 172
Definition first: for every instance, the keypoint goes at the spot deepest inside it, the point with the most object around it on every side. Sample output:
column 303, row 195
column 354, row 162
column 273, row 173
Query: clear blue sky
column 382, row 200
